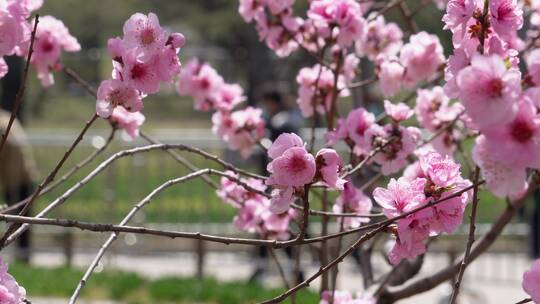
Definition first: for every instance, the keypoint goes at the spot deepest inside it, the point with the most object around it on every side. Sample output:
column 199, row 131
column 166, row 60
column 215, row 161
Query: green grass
column 132, row 288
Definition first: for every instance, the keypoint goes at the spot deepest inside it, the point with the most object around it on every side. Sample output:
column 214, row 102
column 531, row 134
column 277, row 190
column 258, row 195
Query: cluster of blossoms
column 434, row 112
column 254, row 210
column 10, row 291
column 327, row 21
column 435, row 178
column 345, row 297
column 352, row 200
column 143, row 58
column 418, row 60
column 241, row 129
column 52, row 36
column 315, row 89
column 483, row 73
column 393, row 142
column 293, row 167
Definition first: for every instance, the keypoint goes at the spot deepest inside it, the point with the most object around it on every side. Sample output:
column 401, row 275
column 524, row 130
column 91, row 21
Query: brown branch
column 126, row 219
column 408, row 17
column 470, row 241
column 22, row 88
column 79, row 80
column 12, row 228
column 60, row 200
column 279, row 267
column 66, row 176
column 180, row 159
column 327, row 267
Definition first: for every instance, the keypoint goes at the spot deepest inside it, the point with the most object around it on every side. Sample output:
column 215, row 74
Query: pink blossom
column 167, row 64
column 145, row 33
column 279, row 40
column 381, row 38
column 456, row 62
column 140, row 74
column 413, row 171
column 278, row 6
column 229, row 96
column 393, row 156
column 339, row 133
column 489, row 91
column 248, row 9
column 346, row 15
column 412, row 231
column 433, row 108
column 442, row 171
column 276, row 226
column 345, row 297
column 401, row 196
column 358, row 121
column 307, row 81
column 531, row 281
column 115, row 47
column 502, row 178
column 112, row 93
column 202, row 82
column 249, row 216
column 521, row 134
column 234, row 194
column 12, row 31
column 10, row 291
column 282, row 198
column 128, row 121
column 339, row 297
column 533, row 66
column 283, row 143
column 353, row 200
column 296, row 167
column 241, row 129
column 398, row 112
column 52, row 36
column 350, row 65
column 458, row 13
column 506, row 16
column 176, row 40
column 329, row 166
column 421, row 57
column 448, row 214
column 390, row 75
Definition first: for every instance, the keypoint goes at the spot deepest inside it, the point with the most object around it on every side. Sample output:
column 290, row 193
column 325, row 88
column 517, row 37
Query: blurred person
column 17, row 172
column 279, row 119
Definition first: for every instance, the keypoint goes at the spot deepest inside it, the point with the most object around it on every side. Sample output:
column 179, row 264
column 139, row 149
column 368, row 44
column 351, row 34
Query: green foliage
column 132, row 288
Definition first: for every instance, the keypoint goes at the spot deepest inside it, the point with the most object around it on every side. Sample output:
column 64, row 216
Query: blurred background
column 156, row 270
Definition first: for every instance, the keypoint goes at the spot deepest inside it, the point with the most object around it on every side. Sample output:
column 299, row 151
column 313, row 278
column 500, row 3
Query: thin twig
column 279, row 267
column 60, row 200
column 406, row 13
column 126, row 219
column 12, row 228
column 22, row 88
column 66, row 176
column 470, row 241
column 179, row 158
column 326, row 267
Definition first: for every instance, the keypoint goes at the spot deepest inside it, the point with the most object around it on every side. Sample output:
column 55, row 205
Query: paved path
column 494, row 278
